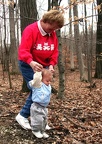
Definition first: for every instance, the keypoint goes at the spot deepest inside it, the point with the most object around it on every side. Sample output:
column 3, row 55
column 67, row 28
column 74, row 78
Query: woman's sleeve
column 24, row 50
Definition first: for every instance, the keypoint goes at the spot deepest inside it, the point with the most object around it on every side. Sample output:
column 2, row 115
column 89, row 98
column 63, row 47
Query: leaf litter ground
column 75, row 119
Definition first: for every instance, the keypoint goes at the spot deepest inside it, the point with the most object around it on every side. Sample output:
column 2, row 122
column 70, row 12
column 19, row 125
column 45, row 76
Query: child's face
column 47, row 80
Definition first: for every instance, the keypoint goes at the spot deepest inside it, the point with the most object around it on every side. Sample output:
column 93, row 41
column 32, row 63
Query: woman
column 38, row 50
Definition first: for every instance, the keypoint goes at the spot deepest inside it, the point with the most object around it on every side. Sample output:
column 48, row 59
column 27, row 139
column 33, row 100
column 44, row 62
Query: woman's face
column 48, row 28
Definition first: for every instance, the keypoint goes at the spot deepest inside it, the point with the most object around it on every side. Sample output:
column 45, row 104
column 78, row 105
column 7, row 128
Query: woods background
column 75, row 110
column 78, row 49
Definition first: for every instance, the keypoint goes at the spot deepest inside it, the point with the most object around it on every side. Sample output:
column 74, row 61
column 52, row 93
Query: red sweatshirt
column 34, row 46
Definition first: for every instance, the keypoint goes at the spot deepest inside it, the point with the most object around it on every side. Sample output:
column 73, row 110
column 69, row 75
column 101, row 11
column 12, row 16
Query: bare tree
column 77, row 43
column 17, row 22
column 6, row 49
column 71, row 44
column 49, row 4
column 98, row 71
column 1, row 51
column 13, row 48
column 61, row 68
column 28, row 14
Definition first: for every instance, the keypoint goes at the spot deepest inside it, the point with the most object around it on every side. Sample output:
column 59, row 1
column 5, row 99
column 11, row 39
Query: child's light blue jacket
column 40, row 94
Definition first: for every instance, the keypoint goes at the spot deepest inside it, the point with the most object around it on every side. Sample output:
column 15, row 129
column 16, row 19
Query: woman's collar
column 41, row 29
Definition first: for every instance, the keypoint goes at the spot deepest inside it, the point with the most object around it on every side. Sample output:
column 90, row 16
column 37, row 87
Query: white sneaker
column 45, row 135
column 38, row 134
column 47, row 127
column 23, row 122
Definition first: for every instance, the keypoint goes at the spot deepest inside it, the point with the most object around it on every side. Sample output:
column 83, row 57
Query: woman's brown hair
column 54, row 16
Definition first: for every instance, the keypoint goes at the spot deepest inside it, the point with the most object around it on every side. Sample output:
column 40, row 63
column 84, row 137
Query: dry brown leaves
column 75, row 119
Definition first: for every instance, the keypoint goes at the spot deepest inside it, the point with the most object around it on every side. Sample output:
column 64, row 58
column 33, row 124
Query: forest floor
column 75, row 119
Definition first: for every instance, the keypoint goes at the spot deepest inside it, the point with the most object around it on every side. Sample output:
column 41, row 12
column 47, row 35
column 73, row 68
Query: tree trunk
column 49, row 5
column 98, row 70
column 28, row 13
column 61, row 69
column 60, row 62
column 13, row 48
column 71, row 45
column 77, row 44
column 6, row 49
column 17, row 24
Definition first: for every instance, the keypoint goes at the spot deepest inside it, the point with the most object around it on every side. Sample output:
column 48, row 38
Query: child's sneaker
column 47, row 127
column 38, row 134
column 45, row 135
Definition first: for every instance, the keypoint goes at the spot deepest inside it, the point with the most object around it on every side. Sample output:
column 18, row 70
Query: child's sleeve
column 36, row 82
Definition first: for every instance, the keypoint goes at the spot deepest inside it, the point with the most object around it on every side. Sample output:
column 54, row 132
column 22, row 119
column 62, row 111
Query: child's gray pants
column 38, row 116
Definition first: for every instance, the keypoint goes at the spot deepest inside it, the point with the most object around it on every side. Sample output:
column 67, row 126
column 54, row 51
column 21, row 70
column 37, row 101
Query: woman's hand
column 36, row 66
column 51, row 68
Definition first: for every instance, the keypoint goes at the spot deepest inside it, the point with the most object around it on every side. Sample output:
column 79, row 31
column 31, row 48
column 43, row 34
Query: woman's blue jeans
column 27, row 73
